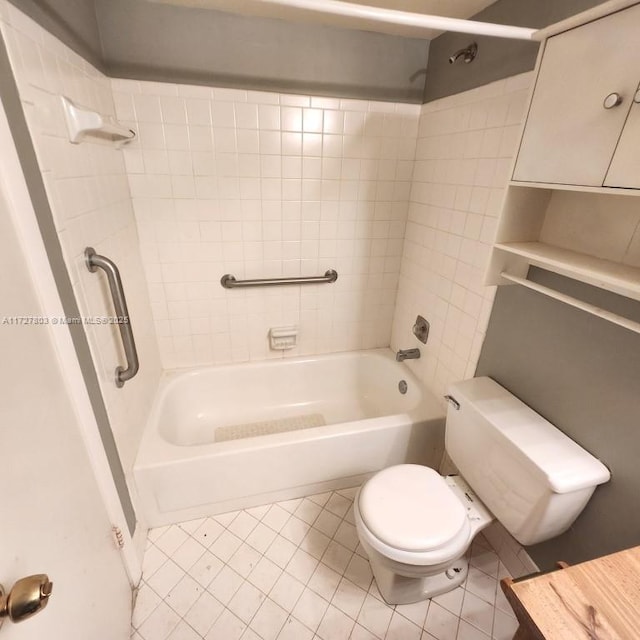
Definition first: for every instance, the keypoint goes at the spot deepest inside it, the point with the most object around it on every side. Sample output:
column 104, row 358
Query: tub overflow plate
column 402, row 386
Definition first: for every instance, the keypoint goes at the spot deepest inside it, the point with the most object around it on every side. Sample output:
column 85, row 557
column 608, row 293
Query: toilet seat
column 409, row 514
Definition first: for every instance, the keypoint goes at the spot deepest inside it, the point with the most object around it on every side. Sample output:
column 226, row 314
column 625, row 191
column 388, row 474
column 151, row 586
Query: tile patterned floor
column 295, row 571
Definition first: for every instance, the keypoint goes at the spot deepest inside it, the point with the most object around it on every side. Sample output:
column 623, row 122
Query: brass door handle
column 27, row 596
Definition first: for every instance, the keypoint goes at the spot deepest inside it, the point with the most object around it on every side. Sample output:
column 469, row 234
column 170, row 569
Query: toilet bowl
column 416, row 525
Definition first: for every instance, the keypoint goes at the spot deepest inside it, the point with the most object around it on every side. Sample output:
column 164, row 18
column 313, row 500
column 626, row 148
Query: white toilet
column 417, row 525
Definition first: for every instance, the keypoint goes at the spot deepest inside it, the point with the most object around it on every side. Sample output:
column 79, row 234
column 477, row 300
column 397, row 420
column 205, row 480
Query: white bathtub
column 184, row 471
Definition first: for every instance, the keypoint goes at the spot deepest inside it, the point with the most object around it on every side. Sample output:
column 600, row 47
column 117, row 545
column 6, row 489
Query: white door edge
column 32, row 245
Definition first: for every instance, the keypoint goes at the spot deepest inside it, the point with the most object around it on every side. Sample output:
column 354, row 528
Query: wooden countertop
column 595, row 600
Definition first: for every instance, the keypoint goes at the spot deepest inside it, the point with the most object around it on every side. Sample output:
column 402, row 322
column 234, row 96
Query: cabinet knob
column 612, row 100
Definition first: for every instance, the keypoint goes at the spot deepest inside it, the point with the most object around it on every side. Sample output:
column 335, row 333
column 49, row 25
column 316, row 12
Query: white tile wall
column 267, row 185
column 466, row 145
column 89, row 194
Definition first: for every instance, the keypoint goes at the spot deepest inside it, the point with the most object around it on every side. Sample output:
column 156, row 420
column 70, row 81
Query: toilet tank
column 534, row 479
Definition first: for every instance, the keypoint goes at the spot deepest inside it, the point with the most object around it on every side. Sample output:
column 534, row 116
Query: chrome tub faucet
column 407, row 354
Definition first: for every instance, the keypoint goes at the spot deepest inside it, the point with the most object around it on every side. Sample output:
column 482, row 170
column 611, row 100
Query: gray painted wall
column 72, row 21
column 154, row 41
column 497, row 57
column 583, row 375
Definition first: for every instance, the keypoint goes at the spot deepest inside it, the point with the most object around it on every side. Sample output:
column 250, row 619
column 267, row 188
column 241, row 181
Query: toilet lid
column 410, row 507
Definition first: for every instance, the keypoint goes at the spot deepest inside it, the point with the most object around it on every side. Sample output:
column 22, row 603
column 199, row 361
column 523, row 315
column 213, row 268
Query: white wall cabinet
column 564, row 210
column 570, row 136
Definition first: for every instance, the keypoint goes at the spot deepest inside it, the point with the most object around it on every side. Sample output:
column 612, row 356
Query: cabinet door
column 625, row 166
column 570, row 136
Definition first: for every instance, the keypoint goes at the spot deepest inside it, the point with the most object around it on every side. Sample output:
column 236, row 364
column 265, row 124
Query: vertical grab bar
column 94, row 262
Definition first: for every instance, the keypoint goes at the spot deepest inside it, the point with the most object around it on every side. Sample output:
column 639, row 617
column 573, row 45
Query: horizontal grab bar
column 621, row 321
column 229, row 282
column 94, row 262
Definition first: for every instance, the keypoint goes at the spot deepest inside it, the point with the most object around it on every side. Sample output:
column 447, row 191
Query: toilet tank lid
column 567, row 466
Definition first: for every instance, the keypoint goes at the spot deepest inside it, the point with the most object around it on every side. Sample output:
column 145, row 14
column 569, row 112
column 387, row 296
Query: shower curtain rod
column 423, row 21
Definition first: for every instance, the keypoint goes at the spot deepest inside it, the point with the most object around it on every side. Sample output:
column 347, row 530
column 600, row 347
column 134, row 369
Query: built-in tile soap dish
column 84, row 123
column 283, row 338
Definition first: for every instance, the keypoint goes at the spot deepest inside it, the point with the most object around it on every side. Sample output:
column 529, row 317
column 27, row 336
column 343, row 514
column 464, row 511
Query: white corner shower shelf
column 83, row 123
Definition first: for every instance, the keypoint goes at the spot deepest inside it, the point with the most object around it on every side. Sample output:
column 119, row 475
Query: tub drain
column 402, row 386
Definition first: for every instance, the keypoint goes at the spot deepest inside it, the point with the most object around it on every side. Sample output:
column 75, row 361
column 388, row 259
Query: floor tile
column 327, row 523
column 225, row 585
column 337, row 557
column 308, row 511
column 286, row 591
column 359, row 572
column 242, row 525
column 261, row 537
column 360, row 633
column 347, row 536
column 160, row 623
column 320, row 498
column 349, row 598
column 227, row 626
column 337, row 504
column 165, row 578
column 375, row 616
column 171, row 539
column 294, row 630
column 265, row 575
column 191, row 525
column 477, row 612
column 184, row 632
column 146, row 601
column 402, row 629
column 440, row 623
column 184, row 595
column 302, row 566
column 315, row 543
column 269, row 620
column 205, row 568
column 310, row 609
column 451, row 601
column 335, row 625
column 467, row 631
column 324, row 581
column 482, row 585
column 154, row 558
column 188, row 553
column 295, row 530
column 204, row 613
column 246, row 601
column 244, row 560
column 276, row 517
column 415, row 612
column 295, row 570
column 504, row 625
column 207, row 533
column 225, row 546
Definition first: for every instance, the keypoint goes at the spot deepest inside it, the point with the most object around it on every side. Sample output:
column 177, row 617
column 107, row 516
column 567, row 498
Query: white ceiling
column 449, row 8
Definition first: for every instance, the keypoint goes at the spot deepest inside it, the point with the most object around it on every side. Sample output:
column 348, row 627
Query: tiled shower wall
column 266, row 185
column 466, row 145
column 89, row 195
